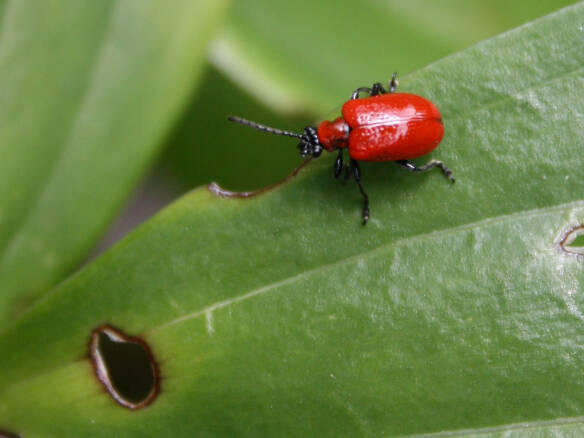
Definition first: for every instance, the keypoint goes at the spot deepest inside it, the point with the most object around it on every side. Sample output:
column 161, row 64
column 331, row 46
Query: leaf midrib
column 371, row 252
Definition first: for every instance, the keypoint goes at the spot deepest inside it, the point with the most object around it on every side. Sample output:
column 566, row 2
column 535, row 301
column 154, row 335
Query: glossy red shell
column 386, row 127
column 333, row 135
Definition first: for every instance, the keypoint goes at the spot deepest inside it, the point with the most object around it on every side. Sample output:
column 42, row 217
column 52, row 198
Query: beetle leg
column 393, row 83
column 347, row 174
column 338, row 166
column 433, row 163
column 377, row 88
column 357, row 176
column 355, row 94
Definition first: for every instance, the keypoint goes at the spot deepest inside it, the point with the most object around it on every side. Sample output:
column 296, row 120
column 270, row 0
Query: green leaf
column 263, row 50
column 453, row 311
column 302, row 56
column 89, row 89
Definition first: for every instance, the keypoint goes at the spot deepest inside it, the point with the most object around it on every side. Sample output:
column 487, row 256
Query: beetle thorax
column 334, row 135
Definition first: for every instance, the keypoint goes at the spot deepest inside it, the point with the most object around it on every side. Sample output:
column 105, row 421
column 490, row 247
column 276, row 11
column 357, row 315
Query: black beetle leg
column 377, row 88
column 347, row 174
column 393, row 83
column 338, row 165
column 355, row 94
column 357, row 176
column 433, row 163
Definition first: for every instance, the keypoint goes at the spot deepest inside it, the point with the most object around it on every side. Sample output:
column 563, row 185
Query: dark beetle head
column 309, row 143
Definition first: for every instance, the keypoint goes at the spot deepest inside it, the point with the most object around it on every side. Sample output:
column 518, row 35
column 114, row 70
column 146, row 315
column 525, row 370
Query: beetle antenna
column 262, row 127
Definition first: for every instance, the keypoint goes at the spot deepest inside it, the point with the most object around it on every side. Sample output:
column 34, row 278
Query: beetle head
column 309, row 143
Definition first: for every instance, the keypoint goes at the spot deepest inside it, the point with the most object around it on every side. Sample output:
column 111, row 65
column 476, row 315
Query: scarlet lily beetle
column 384, row 126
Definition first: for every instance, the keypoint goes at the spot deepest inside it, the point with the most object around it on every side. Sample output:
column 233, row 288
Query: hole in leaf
column 572, row 242
column 578, row 242
column 125, row 367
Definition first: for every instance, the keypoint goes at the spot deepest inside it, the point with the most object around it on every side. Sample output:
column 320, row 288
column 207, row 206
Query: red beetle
column 385, row 126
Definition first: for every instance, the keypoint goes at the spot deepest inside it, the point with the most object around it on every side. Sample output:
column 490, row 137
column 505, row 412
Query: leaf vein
column 401, row 242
